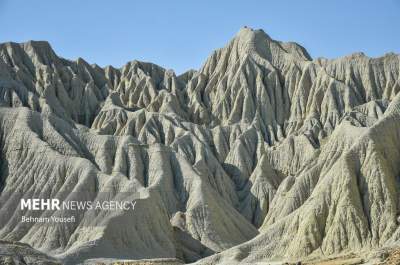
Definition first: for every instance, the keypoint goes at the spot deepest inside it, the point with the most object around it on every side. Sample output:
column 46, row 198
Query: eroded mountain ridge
column 263, row 153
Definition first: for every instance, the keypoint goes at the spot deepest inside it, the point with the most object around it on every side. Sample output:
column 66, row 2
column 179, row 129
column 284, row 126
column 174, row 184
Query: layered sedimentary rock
column 263, row 153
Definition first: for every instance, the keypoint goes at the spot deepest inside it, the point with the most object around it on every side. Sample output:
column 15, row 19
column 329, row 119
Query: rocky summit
column 264, row 154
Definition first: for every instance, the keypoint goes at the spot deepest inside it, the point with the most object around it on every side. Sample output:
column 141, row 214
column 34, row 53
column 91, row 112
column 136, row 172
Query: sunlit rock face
column 263, row 153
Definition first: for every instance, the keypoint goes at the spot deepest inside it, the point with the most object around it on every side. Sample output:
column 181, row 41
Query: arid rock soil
column 264, row 154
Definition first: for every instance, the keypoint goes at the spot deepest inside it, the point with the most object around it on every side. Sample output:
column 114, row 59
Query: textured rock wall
column 262, row 153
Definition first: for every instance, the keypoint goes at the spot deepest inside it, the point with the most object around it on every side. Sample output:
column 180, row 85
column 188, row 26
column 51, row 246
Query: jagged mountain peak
column 42, row 46
column 146, row 67
column 251, row 36
column 38, row 44
column 257, row 40
column 257, row 45
column 261, row 139
column 41, row 52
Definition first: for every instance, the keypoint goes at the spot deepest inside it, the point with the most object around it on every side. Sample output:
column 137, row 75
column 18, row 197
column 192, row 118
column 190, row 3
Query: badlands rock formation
column 263, row 154
column 12, row 253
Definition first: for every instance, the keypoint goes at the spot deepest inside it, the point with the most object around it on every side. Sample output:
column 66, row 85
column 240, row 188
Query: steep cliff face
column 262, row 153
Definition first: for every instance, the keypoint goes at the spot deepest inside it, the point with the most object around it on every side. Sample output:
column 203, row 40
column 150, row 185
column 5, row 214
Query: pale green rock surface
column 262, row 154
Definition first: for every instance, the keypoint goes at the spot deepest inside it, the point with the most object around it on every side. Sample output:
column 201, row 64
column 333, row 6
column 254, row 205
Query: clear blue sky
column 180, row 34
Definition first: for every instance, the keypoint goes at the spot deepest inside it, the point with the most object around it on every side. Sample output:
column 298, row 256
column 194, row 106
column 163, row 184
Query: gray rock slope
column 16, row 253
column 263, row 153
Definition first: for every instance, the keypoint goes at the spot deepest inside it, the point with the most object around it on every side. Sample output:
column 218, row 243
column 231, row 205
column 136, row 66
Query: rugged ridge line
column 263, row 153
